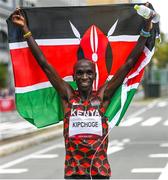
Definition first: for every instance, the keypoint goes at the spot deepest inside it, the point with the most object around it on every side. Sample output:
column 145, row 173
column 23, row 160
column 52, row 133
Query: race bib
column 82, row 126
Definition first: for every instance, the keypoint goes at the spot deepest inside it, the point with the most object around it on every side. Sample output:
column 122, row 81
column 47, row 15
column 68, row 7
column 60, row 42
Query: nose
column 84, row 76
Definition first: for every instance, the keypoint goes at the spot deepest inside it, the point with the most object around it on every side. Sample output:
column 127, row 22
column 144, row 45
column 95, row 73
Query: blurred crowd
column 7, row 100
column 6, row 92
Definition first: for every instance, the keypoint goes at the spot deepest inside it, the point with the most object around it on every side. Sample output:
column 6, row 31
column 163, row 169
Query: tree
column 161, row 52
column 3, row 75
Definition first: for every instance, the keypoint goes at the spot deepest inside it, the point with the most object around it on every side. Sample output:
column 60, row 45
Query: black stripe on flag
column 53, row 22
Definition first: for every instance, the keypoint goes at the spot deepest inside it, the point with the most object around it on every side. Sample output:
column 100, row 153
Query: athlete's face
column 84, row 74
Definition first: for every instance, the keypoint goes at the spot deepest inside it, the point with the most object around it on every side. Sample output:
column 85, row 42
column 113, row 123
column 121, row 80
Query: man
column 85, row 126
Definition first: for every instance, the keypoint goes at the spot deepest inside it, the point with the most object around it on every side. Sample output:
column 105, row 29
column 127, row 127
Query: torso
column 85, row 130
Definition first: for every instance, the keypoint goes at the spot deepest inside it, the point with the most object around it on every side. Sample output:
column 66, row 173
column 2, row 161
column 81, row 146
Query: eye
column 79, row 72
column 89, row 72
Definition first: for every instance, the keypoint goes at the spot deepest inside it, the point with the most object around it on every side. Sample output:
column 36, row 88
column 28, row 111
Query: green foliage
column 3, row 75
column 161, row 52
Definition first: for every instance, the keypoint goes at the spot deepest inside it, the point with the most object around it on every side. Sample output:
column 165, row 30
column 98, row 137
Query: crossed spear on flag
column 94, row 43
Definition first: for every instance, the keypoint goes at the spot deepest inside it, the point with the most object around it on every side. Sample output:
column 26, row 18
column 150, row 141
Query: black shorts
column 86, row 177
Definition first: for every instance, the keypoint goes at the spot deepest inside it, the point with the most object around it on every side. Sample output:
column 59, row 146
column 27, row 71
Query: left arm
column 131, row 61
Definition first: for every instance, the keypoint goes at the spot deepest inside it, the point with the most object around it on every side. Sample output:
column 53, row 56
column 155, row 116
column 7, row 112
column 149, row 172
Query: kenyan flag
column 103, row 34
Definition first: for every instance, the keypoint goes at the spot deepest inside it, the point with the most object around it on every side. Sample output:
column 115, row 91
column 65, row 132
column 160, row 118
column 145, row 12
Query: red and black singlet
column 84, row 130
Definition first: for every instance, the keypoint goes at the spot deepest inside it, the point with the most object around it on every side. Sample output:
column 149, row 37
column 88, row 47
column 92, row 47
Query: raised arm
column 63, row 88
column 131, row 61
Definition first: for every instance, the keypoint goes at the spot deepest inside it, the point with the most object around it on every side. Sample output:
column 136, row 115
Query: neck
column 85, row 95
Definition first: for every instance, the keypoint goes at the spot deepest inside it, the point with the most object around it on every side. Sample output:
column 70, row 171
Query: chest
column 85, row 119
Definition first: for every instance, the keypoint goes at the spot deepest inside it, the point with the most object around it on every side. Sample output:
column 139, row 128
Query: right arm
column 63, row 88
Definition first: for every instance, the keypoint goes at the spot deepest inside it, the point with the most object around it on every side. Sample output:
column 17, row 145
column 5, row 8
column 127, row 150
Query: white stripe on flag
column 115, row 119
column 148, row 55
column 126, row 88
column 46, row 42
column 124, row 91
column 38, row 86
column 48, row 84
column 33, row 87
column 70, row 41
column 125, row 38
column 132, row 86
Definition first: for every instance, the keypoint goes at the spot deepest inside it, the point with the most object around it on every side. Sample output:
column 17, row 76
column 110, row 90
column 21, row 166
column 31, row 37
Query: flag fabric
column 104, row 34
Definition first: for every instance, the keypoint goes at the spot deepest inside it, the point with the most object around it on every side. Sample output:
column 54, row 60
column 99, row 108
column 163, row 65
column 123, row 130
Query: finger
column 16, row 15
column 147, row 4
column 18, row 7
column 15, row 12
column 18, row 10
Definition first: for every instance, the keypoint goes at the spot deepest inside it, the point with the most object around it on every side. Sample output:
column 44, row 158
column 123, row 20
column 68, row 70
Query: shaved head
column 82, row 62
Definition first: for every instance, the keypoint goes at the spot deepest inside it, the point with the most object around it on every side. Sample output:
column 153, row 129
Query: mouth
column 85, row 84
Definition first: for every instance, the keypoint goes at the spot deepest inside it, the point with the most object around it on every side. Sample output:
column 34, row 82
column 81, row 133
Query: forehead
column 84, row 64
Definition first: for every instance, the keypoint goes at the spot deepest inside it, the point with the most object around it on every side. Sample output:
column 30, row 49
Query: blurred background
column 155, row 81
column 151, row 98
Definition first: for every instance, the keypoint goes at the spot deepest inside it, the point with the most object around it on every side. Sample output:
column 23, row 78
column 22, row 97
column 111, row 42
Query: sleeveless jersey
column 84, row 130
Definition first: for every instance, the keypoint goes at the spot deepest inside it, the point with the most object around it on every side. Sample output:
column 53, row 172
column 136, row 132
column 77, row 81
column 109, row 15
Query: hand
column 18, row 18
column 149, row 24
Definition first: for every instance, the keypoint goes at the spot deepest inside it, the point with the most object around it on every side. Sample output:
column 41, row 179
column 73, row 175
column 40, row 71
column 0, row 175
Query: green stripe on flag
column 41, row 107
column 130, row 95
column 115, row 105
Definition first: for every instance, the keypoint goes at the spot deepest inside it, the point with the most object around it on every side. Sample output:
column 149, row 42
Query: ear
column 74, row 77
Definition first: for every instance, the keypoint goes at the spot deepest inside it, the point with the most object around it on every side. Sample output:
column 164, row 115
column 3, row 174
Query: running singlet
column 84, row 130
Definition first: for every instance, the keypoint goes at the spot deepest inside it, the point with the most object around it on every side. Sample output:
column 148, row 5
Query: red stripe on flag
column 136, row 79
column 120, row 52
column 27, row 72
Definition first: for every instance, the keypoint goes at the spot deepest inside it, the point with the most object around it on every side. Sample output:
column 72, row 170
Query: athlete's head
column 84, row 74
